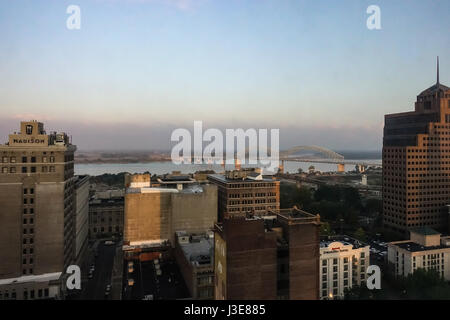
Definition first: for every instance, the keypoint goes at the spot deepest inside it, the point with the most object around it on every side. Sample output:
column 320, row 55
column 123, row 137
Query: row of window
column 44, row 169
column 32, row 294
column 25, row 159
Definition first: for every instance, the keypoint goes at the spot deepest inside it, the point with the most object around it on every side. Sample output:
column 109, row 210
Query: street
column 94, row 289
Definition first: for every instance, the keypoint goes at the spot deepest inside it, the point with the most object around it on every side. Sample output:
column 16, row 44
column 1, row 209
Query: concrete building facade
column 37, row 209
column 81, row 217
column 154, row 214
column 106, row 214
column 194, row 254
column 425, row 249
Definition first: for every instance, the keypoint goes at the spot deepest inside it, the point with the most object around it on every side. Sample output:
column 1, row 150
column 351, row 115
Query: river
column 95, row 169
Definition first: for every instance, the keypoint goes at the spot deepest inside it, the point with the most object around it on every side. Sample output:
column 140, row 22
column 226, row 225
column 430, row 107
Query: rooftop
column 46, row 277
column 249, row 178
column 424, row 230
column 416, row 247
column 344, row 239
column 437, row 87
column 199, row 250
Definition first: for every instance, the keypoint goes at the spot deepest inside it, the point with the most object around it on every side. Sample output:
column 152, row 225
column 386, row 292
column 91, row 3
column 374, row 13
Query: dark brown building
column 416, row 163
column 106, row 214
column 37, row 210
column 245, row 191
column 276, row 257
column 245, row 260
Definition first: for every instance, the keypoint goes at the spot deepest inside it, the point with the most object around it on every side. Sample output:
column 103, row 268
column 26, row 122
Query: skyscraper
column 37, row 229
column 416, row 163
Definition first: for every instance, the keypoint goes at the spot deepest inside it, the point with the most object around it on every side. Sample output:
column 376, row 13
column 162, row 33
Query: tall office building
column 36, row 211
column 416, row 163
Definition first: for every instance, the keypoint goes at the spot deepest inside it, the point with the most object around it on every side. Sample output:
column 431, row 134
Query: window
column 5, row 170
column 13, row 159
column 12, row 170
column 33, row 169
column 52, row 169
column 24, row 159
column 29, row 129
column 52, row 159
column 24, row 169
column 33, row 159
column 5, row 159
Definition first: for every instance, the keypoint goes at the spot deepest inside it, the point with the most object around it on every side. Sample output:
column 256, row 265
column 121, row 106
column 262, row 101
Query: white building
column 426, row 249
column 343, row 263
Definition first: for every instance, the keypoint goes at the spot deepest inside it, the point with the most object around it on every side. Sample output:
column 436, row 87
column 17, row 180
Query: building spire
column 437, row 82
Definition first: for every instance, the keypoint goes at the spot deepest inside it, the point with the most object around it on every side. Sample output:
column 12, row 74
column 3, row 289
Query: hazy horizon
column 138, row 69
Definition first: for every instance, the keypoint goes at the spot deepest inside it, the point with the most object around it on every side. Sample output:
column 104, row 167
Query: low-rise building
column 106, row 212
column 343, row 264
column 32, row 287
column 194, row 254
column 426, row 249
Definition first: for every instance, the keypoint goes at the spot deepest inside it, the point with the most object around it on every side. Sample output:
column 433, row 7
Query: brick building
column 245, row 191
column 271, row 257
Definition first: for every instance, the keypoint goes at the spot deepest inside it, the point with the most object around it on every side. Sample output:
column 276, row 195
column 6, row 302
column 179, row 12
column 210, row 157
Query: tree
column 360, row 234
column 325, row 229
column 425, row 284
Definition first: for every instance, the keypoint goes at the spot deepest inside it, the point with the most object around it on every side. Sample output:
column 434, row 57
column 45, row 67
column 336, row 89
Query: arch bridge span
column 326, row 153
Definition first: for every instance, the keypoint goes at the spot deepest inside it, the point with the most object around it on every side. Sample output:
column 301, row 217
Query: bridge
column 328, row 156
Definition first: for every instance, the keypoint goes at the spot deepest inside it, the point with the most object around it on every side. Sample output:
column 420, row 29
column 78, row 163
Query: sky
column 138, row 69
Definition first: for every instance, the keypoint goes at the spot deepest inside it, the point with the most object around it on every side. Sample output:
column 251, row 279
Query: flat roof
column 416, row 247
column 222, row 178
column 198, row 250
column 425, row 230
column 345, row 240
column 32, row 278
